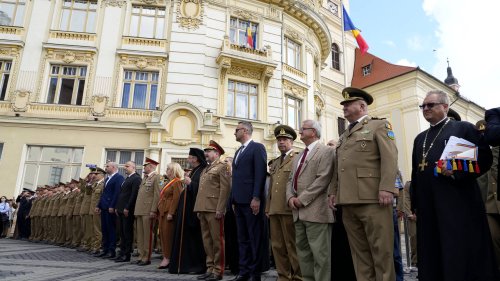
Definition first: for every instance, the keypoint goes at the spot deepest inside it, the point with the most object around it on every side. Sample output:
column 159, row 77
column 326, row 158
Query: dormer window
column 367, row 69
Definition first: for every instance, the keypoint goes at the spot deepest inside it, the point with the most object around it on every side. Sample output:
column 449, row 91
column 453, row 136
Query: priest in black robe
column 188, row 254
column 453, row 238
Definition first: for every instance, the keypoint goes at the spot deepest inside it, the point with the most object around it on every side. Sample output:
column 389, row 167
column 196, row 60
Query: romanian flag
column 349, row 26
column 250, row 37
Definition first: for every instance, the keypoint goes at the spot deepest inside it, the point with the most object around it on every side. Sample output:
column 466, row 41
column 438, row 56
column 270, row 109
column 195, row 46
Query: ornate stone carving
column 225, row 65
column 98, row 105
column 9, row 51
column 245, row 15
column 21, row 101
column 141, row 63
column 113, row 3
column 69, row 57
column 190, row 13
column 245, row 72
column 319, row 105
column 294, row 89
column 293, row 34
column 150, row 2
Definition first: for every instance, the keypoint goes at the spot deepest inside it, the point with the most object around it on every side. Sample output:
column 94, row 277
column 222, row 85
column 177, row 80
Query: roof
column 380, row 70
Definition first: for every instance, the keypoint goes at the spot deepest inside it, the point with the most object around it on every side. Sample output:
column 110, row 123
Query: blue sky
column 425, row 33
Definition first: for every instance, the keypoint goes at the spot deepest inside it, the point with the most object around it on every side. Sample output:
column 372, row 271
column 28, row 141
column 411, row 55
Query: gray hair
column 248, row 126
column 112, row 164
column 442, row 96
column 316, row 125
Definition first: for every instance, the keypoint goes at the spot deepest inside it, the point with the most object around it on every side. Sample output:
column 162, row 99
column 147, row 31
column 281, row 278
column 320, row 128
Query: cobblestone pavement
column 22, row 260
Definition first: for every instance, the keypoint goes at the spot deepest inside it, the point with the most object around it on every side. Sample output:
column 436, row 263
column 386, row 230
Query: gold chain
column 424, row 154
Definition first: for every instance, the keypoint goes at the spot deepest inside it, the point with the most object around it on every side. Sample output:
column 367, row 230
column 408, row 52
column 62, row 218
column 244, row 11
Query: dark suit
column 492, row 133
column 249, row 177
column 126, row 200
column 109, row 197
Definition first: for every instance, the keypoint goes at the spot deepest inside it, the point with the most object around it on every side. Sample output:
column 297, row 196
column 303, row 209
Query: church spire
column 451, row 81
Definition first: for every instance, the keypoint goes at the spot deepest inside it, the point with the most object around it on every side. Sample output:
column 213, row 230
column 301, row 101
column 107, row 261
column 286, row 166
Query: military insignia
column 282, row 131
column 388, row 126
column 363, row 144
column 365, row 132
column 346, row 95
column 390, row 134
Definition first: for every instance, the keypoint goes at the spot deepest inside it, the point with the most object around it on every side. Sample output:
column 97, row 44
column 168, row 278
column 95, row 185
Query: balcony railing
column 69, row 35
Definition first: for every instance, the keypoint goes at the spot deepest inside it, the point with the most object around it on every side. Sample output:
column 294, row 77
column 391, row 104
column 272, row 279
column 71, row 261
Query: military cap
column 198, row 153
column 453, row 114
column 354, row 94
column 74, row 181
column 481, row 125
column 150, row 161
column 100, row 171
column 285, row 131
column 28, row 190
column 212, row 145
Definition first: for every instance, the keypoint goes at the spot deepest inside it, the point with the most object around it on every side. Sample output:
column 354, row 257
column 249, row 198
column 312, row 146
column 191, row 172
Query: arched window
column 335, row 56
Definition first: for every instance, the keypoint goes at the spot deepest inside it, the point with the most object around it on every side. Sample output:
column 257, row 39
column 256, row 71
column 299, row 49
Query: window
column 50, row 165
column 78, row 16
column 12, row 12
column 335, row 57
column 239, row 33
column 1, row 150
column 341, row 125
column 140, row 89
column 293, row 112
column 4, row 77
column 147, row 22
column 181, row 161
column 66, row 84
column 367, row 69
column 121, row 157
column 242, row 100
column 292, row 53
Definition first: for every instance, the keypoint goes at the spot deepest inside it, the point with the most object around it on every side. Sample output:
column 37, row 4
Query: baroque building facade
column 85, row 82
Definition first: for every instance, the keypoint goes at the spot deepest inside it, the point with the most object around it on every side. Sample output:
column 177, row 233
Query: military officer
column 35, row 214
column 85, row 208
column 77, row 236
column 54, row 209
column 61, row 218
column 213, row 192
column 277, row 209
column 364, row 186
column 95, row 213
column 44, row 214
column 146, row 210
column 68, row 213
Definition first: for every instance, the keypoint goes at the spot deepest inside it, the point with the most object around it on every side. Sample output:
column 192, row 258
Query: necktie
column 296, row 176
column 106, row 181
column 282, row 158
column 352, row 125
column 240, row 150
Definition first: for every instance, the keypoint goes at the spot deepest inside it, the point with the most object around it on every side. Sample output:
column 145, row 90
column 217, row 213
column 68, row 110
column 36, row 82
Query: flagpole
column 343, row 44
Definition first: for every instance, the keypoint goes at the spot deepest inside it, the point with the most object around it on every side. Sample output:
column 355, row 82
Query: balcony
column 294, row 73
column 69, row 35
column 11, row 30
column 139, row 41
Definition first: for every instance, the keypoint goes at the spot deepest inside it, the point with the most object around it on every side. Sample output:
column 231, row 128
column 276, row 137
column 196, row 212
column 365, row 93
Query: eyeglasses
column 429, row 105
column 303, row 129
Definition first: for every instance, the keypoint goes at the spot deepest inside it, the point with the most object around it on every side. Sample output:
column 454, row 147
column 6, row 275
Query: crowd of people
column 328, row 212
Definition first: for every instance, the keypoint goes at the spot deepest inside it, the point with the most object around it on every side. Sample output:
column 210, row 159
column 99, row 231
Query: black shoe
column 95, row 253
column 102, row 254
column 123, row 259
column 81, row 249
column 115, row 257
column 204, row 276
column 214, row 277
column 163, row 266
column 143, row 263
column 109, row 256
column 241, row 278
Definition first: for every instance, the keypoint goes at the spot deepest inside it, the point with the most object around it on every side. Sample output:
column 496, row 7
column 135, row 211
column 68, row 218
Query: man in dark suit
column 125, row 210
column 248, row 200
column 492, row 133
column 107, row 204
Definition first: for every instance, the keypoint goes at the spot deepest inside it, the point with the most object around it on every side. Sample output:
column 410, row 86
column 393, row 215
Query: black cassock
column 192, row 254
column 453, row 238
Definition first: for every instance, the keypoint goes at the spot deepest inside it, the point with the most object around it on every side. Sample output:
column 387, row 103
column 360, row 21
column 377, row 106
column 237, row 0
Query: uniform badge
column 363, row 144
column 388, row 126
column 390, row 134
column 365, row 132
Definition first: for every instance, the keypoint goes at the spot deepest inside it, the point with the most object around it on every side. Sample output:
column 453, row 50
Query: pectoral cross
column 422, row 165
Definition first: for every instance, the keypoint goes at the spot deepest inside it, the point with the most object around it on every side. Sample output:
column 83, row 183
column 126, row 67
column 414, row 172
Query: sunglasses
column 429, row 105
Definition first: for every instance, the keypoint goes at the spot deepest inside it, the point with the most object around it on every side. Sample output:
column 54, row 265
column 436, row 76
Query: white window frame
column 297, row 108
column 63, row 71
column 335, row 56
column 142, row 12
column 20, row 7
column 236, row 30
column 231, row 103
column 133, row 157
column 130, row 77
column 89, row 25
column 367, row 69
column 5, row 68
column 291, row 45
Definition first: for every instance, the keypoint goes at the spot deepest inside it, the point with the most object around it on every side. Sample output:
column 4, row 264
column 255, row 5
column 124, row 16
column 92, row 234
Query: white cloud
column 406, row 62
column 389, row 43
column 466, row 35
column 414, row 43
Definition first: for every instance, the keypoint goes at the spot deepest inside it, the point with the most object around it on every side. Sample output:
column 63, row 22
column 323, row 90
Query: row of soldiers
column 65, row 214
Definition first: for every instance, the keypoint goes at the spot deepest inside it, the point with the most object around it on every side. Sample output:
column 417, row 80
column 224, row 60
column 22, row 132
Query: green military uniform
column 213, row 192
column 68, row 216
column 281, row 224
column 146, row 203
column 61, row 218
column 54, row 225
column 96, row 217
column 34, row 218
column 45, row 218
column 78, row 230
column 366, row 165
column 86, row 219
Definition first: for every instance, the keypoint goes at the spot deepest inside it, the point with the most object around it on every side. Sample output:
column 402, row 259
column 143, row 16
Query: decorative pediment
column 294, row 89
column 98, row 105
column 293, row 34
column 319, row 105
column 113, row 3
column 20, row 100
column 245, row 15
column 142, row 62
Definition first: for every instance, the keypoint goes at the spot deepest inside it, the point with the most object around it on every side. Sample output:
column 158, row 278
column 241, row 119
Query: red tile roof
column 380, row 70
